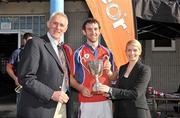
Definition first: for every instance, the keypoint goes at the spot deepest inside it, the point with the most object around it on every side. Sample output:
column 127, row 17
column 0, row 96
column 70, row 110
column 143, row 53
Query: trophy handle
column 82, row 58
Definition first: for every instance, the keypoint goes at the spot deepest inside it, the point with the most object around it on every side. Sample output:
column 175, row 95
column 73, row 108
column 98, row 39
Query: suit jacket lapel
column 121, row 74
column 51, row 51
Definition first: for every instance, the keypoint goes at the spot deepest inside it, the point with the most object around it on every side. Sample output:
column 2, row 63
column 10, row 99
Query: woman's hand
column 103, row 88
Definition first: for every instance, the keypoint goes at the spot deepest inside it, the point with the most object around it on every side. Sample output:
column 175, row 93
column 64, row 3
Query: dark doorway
column 8, row 43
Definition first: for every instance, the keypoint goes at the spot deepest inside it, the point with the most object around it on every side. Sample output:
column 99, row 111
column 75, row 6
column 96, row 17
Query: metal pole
column 57, row 6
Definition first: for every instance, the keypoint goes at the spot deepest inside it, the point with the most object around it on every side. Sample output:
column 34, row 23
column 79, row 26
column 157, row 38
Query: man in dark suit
column 40, row 72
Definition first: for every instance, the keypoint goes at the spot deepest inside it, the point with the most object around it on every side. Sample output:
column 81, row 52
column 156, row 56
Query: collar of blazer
column 124, row 68
column 50, row 49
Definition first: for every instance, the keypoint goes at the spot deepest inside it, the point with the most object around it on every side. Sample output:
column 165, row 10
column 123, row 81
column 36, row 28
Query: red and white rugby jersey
column 81, row 56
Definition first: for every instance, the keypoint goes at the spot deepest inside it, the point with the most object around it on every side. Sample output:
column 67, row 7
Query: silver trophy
column 96, row 69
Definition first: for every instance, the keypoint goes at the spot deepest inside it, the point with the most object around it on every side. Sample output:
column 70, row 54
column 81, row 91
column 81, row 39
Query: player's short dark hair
column 90, row 20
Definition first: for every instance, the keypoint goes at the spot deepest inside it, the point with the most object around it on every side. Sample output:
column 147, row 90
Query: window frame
column 165, row 48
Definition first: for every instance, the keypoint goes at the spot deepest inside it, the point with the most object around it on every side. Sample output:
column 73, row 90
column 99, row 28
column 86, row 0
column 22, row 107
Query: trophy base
column 97, row 93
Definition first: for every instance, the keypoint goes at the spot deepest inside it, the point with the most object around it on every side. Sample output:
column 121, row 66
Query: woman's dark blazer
column 129, row 93
column 40, row 74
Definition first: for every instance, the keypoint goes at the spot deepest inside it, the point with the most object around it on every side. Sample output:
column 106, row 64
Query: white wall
column 165, row 67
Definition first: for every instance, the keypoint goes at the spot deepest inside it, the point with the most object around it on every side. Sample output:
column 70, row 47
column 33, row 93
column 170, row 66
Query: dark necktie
column 64, row 66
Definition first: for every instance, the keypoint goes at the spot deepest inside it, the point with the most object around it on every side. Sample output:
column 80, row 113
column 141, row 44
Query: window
column 163, row 45
column 34, row 23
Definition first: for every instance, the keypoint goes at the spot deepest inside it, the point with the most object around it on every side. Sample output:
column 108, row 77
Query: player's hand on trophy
column 105, row 94
column 60, row 96
column 107, row 65
column 85, row 92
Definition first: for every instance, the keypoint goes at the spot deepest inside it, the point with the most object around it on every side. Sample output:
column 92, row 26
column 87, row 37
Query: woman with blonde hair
column 129, row 92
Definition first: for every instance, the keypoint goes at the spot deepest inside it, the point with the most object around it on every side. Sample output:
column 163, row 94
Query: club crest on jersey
column 86, row 56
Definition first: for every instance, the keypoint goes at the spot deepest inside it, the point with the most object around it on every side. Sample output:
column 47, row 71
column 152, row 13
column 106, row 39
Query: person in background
column 44, row 73
column 92, row 104
column 11, row 66
column 130, row 89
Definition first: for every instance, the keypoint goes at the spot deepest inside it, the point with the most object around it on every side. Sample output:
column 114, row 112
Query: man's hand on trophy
column 106, row 65
column 85, row 92
column 106, row 94
column 60, row 96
